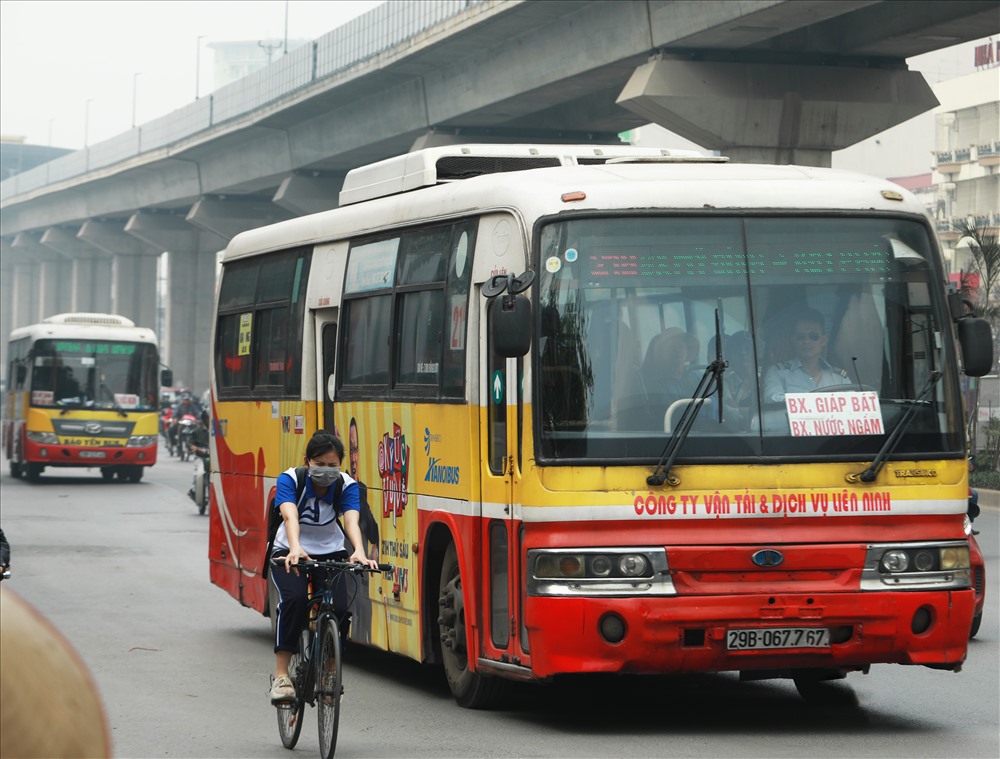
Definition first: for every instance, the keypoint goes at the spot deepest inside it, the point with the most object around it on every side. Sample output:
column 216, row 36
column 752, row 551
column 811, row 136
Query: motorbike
column 185, row 426
column 199, row 489
column 166, row 423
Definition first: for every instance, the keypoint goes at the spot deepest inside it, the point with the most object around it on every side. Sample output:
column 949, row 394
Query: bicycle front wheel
column 290, row 713
column 328, row 686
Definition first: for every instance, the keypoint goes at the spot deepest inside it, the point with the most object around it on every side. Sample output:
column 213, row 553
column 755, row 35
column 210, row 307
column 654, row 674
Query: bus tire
column 471, row 690
column 133, row 473
column 822, row 689
column 977, row 621
column 33, row 471
column 15, row 469
column 107, row 473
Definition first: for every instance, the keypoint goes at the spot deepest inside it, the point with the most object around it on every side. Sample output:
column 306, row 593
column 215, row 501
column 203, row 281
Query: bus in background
column 614, row 410
column 84, row 391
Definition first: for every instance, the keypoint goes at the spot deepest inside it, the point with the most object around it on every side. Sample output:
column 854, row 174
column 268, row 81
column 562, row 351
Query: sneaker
column 282, row 689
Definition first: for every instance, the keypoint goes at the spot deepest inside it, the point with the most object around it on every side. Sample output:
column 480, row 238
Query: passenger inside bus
column 665, row 371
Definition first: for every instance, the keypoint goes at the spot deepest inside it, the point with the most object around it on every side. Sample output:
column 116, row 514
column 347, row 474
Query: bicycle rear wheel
column 290, row 714
column 328, row 686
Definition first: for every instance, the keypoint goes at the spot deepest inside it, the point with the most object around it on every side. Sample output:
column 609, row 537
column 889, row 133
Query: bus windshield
column 831, row 329
column 102, row 374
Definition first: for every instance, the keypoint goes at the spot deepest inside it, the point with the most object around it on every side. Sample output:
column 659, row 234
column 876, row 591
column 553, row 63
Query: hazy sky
column 55, row 56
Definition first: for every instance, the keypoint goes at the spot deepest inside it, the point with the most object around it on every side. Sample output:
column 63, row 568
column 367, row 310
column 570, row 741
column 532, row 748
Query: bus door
column 503, row 389
column 326, row 353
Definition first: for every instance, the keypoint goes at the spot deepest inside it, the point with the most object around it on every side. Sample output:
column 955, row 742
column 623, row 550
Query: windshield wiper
column 711, row 382
column 892, row 441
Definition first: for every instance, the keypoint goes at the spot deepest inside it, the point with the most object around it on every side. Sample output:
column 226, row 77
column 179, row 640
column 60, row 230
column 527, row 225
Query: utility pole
column 86, row 123
column 197, row 66
column 269, row 48
column 135, row 78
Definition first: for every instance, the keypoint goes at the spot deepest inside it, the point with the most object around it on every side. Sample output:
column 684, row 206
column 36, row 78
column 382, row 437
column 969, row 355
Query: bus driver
column 809, row 370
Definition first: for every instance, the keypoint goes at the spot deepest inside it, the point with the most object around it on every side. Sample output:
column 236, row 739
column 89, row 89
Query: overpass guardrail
column 328, row 57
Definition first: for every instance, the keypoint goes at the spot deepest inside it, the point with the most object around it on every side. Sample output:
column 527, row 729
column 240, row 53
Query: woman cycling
column 310, row 530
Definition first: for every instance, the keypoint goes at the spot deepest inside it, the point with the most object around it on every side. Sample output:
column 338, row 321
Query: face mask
column 324, row 476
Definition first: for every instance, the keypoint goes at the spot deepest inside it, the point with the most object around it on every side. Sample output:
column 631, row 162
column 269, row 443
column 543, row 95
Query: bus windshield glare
column 100, row 374
column 831, row 328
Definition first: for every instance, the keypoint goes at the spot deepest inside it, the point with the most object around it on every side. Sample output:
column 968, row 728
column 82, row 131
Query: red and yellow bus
column 83, row 391
column 555, row 366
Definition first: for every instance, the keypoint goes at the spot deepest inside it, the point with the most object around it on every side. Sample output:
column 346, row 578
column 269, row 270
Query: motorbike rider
column 185, row 406
column 199, row 445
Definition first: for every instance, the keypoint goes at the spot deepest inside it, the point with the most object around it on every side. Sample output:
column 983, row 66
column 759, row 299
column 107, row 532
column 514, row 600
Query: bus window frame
column 295, row 313
column 448, row 287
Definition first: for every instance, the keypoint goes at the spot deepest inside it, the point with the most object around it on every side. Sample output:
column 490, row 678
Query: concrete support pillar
column 303, row 194
column 92, row 285
column 89, row 269
column 55, row 285
column 774, row 113
column 33, row 305
column 24, row 294
column 7, row 256
column 186, row 342
column 228, row 216
column 133, row 288
column 133, row 270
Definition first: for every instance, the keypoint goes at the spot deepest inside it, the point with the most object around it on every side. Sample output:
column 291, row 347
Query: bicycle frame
column 311, row 674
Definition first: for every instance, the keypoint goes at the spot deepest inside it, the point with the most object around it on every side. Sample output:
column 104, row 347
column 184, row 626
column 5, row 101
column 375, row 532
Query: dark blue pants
column 293, row 597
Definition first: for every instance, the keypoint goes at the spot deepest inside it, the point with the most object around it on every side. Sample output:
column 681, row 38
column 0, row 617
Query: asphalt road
column 121, row 570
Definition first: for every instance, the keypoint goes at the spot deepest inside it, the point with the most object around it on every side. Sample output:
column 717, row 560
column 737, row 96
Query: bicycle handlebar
column 342, row 566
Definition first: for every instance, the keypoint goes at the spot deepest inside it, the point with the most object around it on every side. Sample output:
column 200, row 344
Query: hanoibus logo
column 436, row 471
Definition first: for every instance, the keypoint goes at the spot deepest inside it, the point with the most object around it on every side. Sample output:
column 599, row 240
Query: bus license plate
column 93, row 454
column 777, row 637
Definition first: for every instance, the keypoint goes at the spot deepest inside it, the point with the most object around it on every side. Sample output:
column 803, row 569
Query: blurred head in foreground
column 50, row 707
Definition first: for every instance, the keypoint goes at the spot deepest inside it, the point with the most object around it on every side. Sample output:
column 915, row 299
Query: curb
column 989, row 498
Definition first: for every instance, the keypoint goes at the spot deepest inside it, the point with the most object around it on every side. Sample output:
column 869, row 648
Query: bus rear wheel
column 471, row 690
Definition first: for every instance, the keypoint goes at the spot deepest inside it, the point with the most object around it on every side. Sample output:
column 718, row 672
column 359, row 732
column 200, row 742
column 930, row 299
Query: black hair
column 323, row 442
column 810, row 315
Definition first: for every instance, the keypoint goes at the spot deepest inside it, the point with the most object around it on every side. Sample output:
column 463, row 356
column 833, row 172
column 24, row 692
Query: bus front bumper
column 56, row 454
column 689, row 634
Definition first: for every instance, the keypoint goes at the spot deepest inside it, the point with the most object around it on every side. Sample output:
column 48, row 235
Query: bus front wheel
column 470, row 689
column 15, row 469
column 33, row 471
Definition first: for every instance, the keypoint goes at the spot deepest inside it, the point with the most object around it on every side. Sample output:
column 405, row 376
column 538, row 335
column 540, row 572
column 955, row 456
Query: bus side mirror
column 510, row 315
column 976, row 339
column 511, row 326
column 166, row 377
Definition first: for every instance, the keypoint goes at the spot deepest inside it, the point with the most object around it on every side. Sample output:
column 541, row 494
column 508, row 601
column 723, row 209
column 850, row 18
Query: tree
column 984, row 247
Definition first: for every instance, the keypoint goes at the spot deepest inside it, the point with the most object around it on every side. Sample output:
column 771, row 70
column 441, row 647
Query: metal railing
column 332, row 56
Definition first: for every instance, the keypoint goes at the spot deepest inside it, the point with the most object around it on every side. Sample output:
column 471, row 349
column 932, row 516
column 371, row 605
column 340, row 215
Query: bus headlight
column 943, row 565
column 598, row 571
column 48, row 438
column 141, row 441
column 633, row 565
column 895, row 561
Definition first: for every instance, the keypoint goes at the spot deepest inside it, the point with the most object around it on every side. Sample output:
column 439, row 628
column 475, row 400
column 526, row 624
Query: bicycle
column 315, row 669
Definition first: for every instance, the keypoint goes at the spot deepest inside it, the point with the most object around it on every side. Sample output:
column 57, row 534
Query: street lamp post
column 135, row 79
column 86, row 123
column 197, row 67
